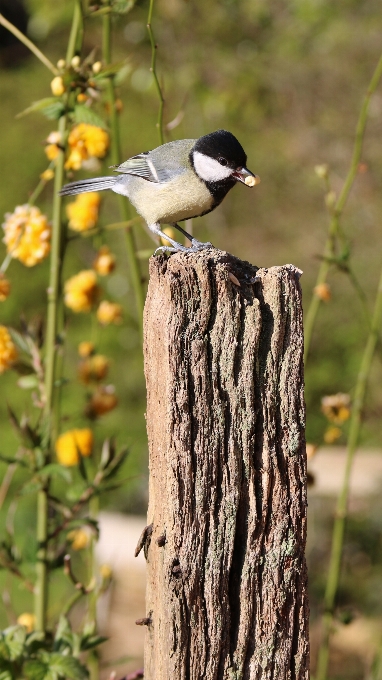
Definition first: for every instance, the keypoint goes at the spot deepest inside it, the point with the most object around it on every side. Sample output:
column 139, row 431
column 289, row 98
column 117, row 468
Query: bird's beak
column 246, row 176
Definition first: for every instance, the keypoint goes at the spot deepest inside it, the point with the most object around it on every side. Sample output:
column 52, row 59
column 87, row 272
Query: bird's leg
column 195, row 244
column 176, row 246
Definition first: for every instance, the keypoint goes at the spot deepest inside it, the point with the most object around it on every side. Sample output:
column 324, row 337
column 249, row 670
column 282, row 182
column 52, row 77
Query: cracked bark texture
column 227, row 583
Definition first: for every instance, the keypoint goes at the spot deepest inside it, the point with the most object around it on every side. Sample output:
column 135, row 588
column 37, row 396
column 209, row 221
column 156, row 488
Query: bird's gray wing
column 161, row 164
column 143, row 166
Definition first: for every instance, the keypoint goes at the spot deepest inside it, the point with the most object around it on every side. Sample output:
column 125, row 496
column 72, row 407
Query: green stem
column 342, row 503
column 116, row 157
column 74, row 42
column 28, row 43
column 340, row 204
column 93, row 660
column 153, row 71
column 53, row 307
column 41, row 587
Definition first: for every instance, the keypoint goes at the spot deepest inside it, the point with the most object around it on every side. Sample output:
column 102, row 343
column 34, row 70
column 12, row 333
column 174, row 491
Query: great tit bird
column 177, row 181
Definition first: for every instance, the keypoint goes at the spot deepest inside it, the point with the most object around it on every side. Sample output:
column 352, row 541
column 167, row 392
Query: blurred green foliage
column 287, row 79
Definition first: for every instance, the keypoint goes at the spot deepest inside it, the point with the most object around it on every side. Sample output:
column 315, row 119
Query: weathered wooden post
column 227, row 584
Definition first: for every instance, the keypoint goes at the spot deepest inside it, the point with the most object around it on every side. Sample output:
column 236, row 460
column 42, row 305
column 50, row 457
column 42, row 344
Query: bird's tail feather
column 84, row 185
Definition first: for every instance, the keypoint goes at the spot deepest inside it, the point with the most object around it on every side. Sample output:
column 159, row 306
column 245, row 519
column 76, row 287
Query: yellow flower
column 105, row 261
column 85, row 349
column 5, row 288
column 109, row 312
column 27, row 620
column 81, row 291
column 82, row 97
column 72, row 442
column 79, row 539
column 323, row 292
column 336, row 407
column 332, row 434
column 57, row 86
column 52, row 151
column 47, row 174
column 83, row 211
column 93, row 368
column 8, row 351
column 321, row 171
column 102, row 401
column 27, row 234
column 86, row 141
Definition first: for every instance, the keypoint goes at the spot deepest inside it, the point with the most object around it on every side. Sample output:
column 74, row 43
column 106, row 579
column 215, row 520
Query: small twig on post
column 227, row 587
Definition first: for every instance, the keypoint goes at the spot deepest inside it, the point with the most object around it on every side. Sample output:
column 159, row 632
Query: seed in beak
column 251, row 181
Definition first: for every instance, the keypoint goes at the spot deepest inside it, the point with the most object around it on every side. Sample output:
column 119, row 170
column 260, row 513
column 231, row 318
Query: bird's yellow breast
column 183, row 197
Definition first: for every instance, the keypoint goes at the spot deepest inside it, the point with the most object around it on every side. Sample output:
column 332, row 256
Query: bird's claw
column 195, row 247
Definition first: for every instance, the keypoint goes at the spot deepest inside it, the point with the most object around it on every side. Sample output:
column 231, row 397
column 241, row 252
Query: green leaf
column 122, row 6
column 91, row 641
column 35, row 669
column 67, row 666
column 40, row 105
column 122, row 74
column 56, row 470
column 63, row 633
column 15, row 640
column 83, row 114
column 28, row 382
column 6, row 672
column 13, row 461
column 82, row 467
column 110, row 70
column 19, row 341
column 30, row 487
column 54, row 111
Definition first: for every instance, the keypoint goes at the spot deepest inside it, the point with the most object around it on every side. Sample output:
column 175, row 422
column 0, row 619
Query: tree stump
column 227, row 583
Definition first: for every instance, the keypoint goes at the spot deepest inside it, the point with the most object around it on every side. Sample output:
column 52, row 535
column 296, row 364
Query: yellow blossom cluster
column 72, row 443
column 102, row 401
column 86, row 141
column 85, row 348
column 27, row 620
column 332, row 434
column 336, row 408
column 109, row 312
column 83, row 211
column 79, row 539
column 104, row 263
column 5, row 288
column 81, row 291
column 53, row 145
column 323, row 292
column 27, row 234
column 93, row 368
column 8, row 351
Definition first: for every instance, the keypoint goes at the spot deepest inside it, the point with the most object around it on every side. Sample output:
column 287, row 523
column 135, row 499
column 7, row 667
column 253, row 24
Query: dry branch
column 227, row 585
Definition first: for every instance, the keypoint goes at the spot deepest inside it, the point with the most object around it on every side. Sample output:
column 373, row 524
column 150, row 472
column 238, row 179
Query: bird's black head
column 223, row 147
column 219, row 161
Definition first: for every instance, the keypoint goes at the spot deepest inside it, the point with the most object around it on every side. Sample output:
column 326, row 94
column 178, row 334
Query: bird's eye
column 222, row 161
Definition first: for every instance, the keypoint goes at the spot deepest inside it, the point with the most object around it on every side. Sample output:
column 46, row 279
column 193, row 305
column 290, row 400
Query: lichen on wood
column 227, row 585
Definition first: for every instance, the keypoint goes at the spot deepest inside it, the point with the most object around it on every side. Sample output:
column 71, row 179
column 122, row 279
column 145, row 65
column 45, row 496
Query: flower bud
column 75, row 62
column 322, row 171
column 97, row 66
column 57, row 86
column 61, row 63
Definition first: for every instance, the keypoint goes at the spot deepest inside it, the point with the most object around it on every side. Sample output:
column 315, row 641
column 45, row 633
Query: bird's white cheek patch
column 209, row 169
